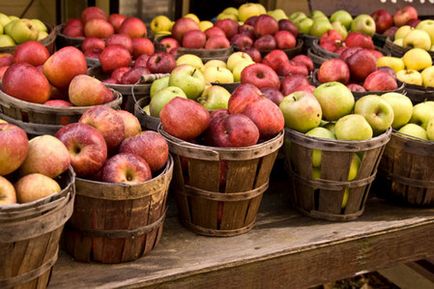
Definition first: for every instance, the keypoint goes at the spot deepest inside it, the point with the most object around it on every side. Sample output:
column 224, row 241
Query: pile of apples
column 415, row 67
column 249, row 119
column 108, row 145
column 357, row 68
column 422, row 36
column 31, row 165
column 387, row 24
column 415, row 121
column 14, row 30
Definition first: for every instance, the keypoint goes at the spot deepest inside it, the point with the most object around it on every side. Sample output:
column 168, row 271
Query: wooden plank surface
column 284, row 250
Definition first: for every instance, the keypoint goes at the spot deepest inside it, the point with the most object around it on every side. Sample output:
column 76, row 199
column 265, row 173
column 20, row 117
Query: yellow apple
column 316, row 173
column 222, row 16
column 410, row 76
column 231, row 10
column 3, row 121
column 192, row 17
column 428, row 76
column 217, row 74
column 161, row 23
column 403, row 31
column 430, row 129
column 278, row 14
column 204, row 25
column 345, row 198
column 214, row 62
column 393, row 62
column 428, row 26
column 190, row 59
column 236, row 57
column 417, row 59
column 248, row 10
column 414, row 130
column 354, row 167
column 417, row 39
column 35, row 186
column 399, row 42
column 239, row 68
column 7, row 192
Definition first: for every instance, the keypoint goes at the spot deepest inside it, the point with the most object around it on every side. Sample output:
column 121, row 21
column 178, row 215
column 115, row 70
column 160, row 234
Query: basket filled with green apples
column 123, row 174
column 36, row 199
column 333, row 144
column 405, row 171
column 42, row 92
column 14, row 31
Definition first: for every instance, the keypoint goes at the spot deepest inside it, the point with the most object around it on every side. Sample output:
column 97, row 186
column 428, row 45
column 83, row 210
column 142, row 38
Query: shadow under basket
column 407, row 170
column 114, row 223
column 325, row 192
column 219, row 190
column 29, row 237
column 147, row 121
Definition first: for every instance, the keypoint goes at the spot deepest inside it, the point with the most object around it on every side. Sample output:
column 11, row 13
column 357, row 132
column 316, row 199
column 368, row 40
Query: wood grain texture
column 284, row 250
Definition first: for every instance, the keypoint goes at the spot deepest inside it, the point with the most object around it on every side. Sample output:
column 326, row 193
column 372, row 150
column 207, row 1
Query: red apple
column 58, row 103
column 229, row 27
column 122, row 40
column 247, row 30
column 150, row 146
column 92, row 13
column 92, row 54
column 116, row 21
column 266, row 25
column 184, row 118
column 231, row 130
column 85, row 90
column 7, row 192
column 390, row 32
column 334, row 69
column 141, row 61
column 260, row 75
column 170, row 44
column 6, row 59
column 330, row 46
column 214, row 31
column 34, row 187
column 413, row 22
column 287, row 25
column 272, row 94
column 73, row 31
column 380, row 80
column 251, row 20
column 404, row 15
column 31, row 52
column 292, row 68
column 383, row 20
column 14, row 146
column 113, row 57
column 161, row 62
column 133, row 27
column 64, row 65
column 361, row 64
column 182, row 26
column 242, row 96
column 241, row 41
column 285, row 40
column 356, row 87
column 377, row 54
column 92, row 44
column 305, row 60
column 388, row 70
column 356, row 39
column 275, row 59
column 2, row 72
column 217, row 42
column 25, row 82
column 142, row 46
column 86, row 146
column 132, row 125
column 134, row 75
column 126, row 168
column 331, row 36
column 110, row 81
column 254, row 54
column 99, row 28
column 294, row 83
column 265, row 43
column 194, row 39
column 347, row 53
column 119, row 72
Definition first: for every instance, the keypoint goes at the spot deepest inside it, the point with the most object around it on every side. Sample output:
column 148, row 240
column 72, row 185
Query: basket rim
column 410, row 138
column 139, row 109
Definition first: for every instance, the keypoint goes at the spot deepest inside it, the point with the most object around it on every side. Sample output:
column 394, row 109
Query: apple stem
column 193, row 72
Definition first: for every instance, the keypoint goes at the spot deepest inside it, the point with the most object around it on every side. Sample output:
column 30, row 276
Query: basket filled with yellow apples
column 406, row 167
column 16, row 31
column 333, row 145
column 123, row 176
column 42, row 93
column 36, row 199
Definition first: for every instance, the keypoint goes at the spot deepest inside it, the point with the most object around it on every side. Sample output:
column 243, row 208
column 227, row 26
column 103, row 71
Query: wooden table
column 284, row 250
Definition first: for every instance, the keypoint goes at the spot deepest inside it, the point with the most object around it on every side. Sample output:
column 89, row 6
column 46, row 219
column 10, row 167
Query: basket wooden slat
column 114, row 223
column 219, row 190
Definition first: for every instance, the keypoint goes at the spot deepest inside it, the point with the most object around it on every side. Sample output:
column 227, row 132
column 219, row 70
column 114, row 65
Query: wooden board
column 284, row 250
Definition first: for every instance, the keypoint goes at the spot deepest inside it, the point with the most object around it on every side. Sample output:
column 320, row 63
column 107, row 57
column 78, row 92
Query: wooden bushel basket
column 398, row 51
column 419, row 94
column 29, row 237
column 316, row 59
column 114, row 223
column 407, row 170
column 39, row 119
column 323, row 198
column 147, row 121
column 219, row 190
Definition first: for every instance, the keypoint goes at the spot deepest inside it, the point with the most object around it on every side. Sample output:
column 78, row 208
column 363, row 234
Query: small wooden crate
column 63, row 40
column 147, row 121
column 323, row 198
column 407, row 170
column 219, row 190
column 114, row 223
column 39, row 119
column 29, row 237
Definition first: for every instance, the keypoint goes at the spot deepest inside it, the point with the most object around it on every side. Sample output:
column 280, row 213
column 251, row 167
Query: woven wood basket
column 379, row 39
column 219, row 190
column 29, row 237
column 63, row 40
column 308, row 40
column 419, row 94
column 147, row 121
column 316, row 59
column 38, row 119
column 407, row 170
column 114, row 223
column 399, row 51
column 324, row 198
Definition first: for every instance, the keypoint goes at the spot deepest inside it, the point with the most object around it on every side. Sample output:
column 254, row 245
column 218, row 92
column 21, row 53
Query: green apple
column 190, row 59
column 345, row 198
column 317, row 14
column 248, row 10
column 320, row 26
column 430, row 129
column 239, row 68
column 236, row 57
column 354, row 167
column 428, row 26
column 278, row 14
column 158, row 85
column 214, row 98
column 417, row 38
column 147, row 110
column 222, row 16
column 1, row 29
column 231, row 10
column 343, row 17
column 6, row 41
column 304, row 25
column 4, row 19
column 399, row 42
column 162, row 97
column 336, row 100
column 417, row 59
column 377, row 111
column 402, row 108
column 319, row 132
column 330, row 126
column 340, row 28
column 414, row 130
column 422, row 113
column 215, row 74
column 22, row 31
column 39, row 25
column 42, row 35
column 403, row 31
column 353, row 127
column 410, row 76
column 8, row 27
column 13, row 17
column 189, row 79
column 160, row 23
column 396, row 63
column 297, row 16
column 428, row 76
column 301, row 111
column 364, row 24
column 214, row 63
column 316, row 173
